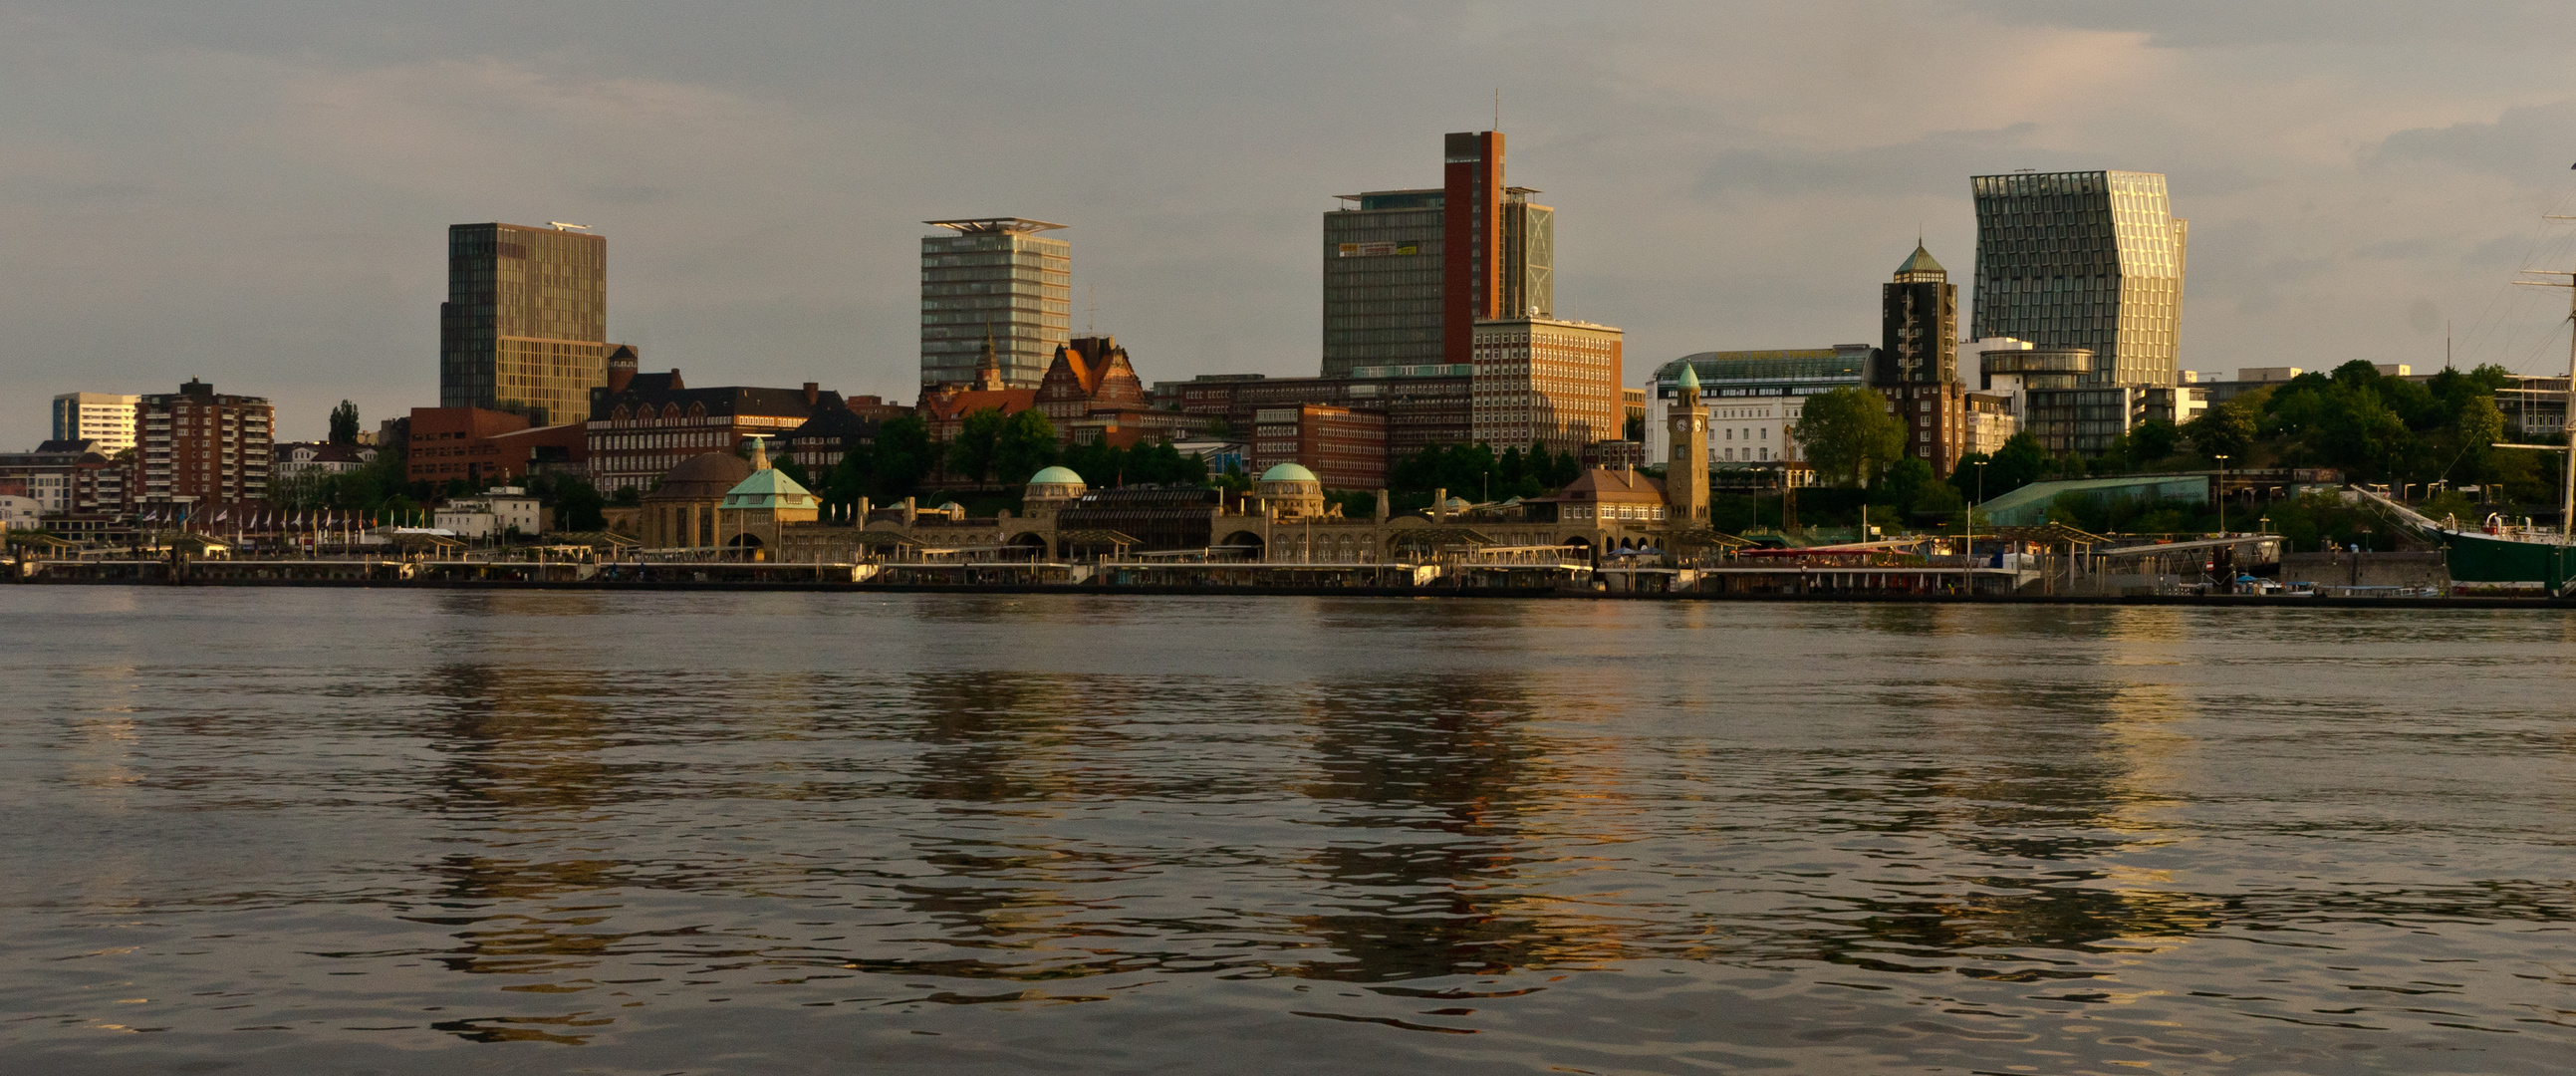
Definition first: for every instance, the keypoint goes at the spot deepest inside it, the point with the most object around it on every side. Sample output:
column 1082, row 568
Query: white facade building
column 104, row 417
column 496, row 513
column 20, row 514
column 1753, row 400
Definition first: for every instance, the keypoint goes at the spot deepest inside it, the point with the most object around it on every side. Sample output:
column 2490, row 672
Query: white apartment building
column 103, row 417
column 496, row 513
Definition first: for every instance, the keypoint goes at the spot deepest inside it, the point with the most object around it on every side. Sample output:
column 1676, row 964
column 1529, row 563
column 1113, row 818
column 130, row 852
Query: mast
column 2567, row 425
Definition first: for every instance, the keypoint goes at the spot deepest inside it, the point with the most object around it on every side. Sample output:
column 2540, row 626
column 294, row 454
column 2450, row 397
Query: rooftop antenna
column 1498, row 108
column 1091, row 320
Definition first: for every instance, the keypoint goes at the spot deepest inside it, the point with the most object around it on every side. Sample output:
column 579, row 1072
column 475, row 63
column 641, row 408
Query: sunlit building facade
column 2090, row 260
column 1545, row 382
column 525, row 325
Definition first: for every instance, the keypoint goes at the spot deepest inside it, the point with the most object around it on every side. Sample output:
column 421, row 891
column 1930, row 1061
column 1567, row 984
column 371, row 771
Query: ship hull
column 2482, row 558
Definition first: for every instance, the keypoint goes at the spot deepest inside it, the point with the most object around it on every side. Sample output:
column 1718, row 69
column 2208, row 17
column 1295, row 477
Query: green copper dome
column 1290, row 472
column 1689, row 378
column 1056, row 476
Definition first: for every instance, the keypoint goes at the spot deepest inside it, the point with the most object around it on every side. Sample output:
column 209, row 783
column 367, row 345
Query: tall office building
column 104, row 417
column 525, row 325
column 1409, row 273
column 1916, row 366
column 995, row 279
column 2083, row 259
column 2087, row 262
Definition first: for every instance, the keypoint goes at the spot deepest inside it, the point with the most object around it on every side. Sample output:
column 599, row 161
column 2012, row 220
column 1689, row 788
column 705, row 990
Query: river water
column 421, row 832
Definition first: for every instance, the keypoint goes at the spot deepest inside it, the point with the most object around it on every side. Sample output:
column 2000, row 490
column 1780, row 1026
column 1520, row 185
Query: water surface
column 399, row 832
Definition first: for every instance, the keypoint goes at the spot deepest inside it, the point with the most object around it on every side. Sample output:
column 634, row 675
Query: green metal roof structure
column 1290, row 472
column 1921, row 262
column 766, row 488
column 1822, row 365
column 2028, row 506
column 1057, row 475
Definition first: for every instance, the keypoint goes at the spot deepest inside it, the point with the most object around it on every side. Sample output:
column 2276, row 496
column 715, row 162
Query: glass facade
column 2083, row 260
column 525, row 325
column 1382, row 270
column 994, row 277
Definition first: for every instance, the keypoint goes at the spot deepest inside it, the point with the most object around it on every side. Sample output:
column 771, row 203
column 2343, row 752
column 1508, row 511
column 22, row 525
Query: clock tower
column 1686, row 467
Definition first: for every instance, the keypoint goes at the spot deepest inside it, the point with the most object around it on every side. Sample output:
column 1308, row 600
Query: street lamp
column 1970, row 546
column 2222, row 493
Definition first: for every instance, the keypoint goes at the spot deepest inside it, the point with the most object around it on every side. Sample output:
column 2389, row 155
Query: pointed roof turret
column 1920, row 264
column 1690, row 377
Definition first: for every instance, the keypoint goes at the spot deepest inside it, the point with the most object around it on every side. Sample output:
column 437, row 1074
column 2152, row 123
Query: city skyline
column 2346, row 205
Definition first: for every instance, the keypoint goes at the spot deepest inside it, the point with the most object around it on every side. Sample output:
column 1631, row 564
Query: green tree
column 979, row 437
column 344, row 424
column 2226, row 429
column 578, row 504
column 2153, row 440
column 1024, row 444
column 902, row 458
column 1848, row 435
column 1907, row 483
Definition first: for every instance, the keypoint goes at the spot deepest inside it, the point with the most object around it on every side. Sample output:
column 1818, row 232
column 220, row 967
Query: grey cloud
column 2529, row 143
column 1939, row 163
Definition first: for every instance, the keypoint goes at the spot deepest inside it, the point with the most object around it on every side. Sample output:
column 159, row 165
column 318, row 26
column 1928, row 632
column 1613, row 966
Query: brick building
column 202, row 448
column 1423, row 405
column 1346, row 449
column 449, row 443
column 643, row 425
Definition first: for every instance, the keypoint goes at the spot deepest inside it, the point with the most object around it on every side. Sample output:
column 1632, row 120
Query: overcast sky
column 257, row 192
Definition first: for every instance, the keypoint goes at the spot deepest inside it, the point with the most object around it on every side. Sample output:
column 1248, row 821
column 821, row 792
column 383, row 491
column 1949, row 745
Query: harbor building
column 997, row 279
column 105, row 418
column 201, row 448
column 2091, row 262
column 1753, row 400
column 1917, row 364
column 650, row 423
column 525, row 325
column 1408, row 272
column 1544, row 381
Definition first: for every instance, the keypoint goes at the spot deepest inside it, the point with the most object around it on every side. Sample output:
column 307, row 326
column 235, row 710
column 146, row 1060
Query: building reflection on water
column 2040, row 781
column 1438, row 824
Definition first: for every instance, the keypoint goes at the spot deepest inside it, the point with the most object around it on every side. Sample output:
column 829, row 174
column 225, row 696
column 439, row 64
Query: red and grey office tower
column 1408, row 273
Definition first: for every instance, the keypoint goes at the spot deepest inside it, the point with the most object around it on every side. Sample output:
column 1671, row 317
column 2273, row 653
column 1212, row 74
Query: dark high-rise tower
column 525, row 325
column 1408, row 273
column 1916, row 366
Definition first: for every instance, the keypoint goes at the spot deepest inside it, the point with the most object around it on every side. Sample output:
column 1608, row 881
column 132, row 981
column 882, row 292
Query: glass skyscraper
column 995, row 278
column 2088, row 260
column 525, row 325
